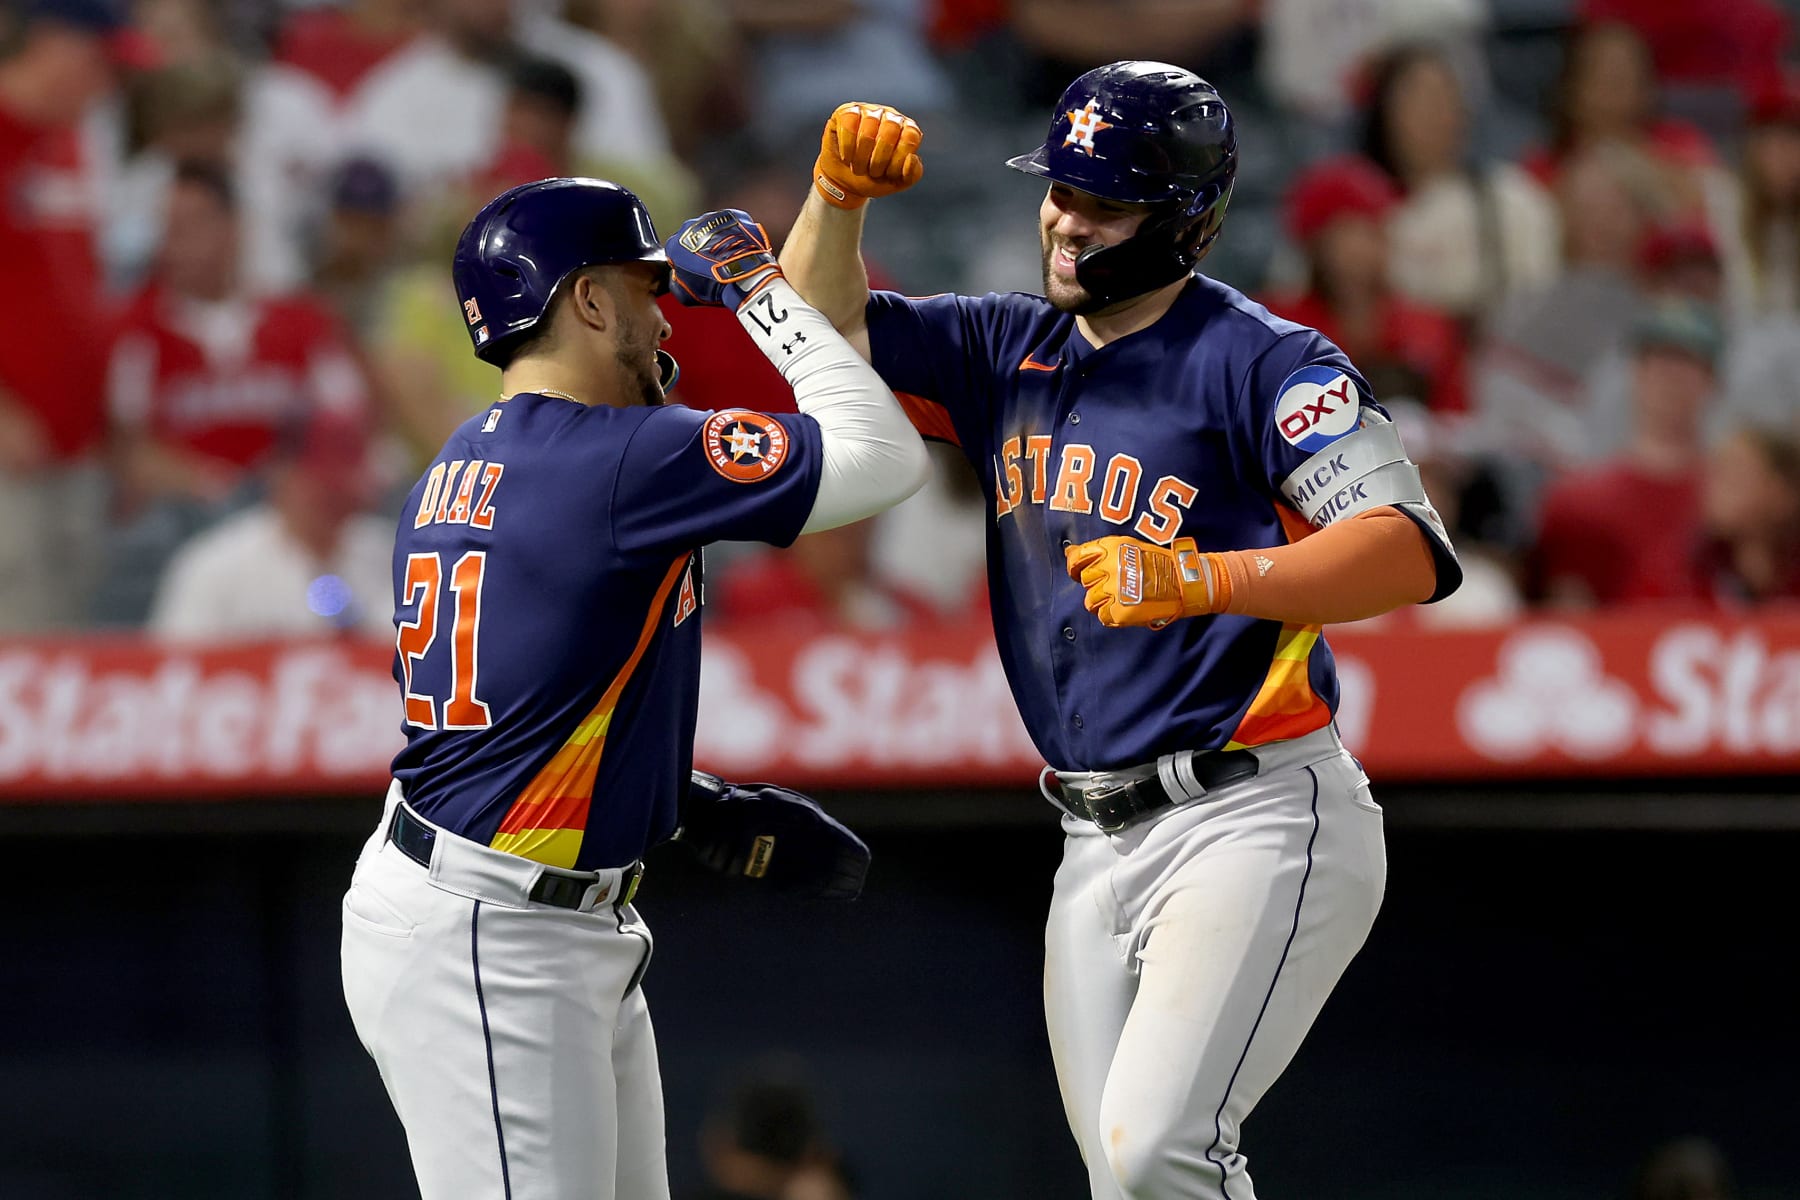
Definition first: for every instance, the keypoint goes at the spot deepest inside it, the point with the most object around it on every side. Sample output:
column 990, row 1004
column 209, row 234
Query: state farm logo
column 1551, row 692
column 1696, row 691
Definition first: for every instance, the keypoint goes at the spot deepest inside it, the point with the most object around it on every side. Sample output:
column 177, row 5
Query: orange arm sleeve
column 1373, row 563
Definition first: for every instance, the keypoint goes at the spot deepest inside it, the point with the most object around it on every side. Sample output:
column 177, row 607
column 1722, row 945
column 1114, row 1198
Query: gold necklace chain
column 546, row 392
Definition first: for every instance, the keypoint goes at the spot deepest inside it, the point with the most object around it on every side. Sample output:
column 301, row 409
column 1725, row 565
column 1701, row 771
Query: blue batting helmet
column 524, row 242
column 1143, row 133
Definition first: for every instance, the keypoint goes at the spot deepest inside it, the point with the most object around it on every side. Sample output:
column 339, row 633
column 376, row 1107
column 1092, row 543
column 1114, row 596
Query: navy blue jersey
column 548, row 594
column 1184, row 429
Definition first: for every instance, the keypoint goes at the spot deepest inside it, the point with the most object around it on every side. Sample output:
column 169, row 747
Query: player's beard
column 636, row 354
column 1064, row 295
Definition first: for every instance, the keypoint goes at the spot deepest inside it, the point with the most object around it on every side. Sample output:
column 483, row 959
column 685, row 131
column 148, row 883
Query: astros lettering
column 1074, row 490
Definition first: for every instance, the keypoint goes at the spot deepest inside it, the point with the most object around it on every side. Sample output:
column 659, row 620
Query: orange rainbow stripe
column 548, row 820
column 929, row 417
column 1286, row 705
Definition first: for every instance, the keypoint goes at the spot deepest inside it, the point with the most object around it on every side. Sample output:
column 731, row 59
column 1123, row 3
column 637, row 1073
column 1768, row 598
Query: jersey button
column 1067, row 543
column 1068, row 633
column 1074, row 418
column 1077, row 721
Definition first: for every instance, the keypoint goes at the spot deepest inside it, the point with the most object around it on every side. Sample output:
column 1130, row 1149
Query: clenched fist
column 1131, row 582
column 868, row 150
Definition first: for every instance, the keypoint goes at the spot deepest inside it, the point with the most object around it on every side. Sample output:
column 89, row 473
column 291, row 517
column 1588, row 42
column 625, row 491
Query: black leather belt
column 1113, row 801
column 414, row 838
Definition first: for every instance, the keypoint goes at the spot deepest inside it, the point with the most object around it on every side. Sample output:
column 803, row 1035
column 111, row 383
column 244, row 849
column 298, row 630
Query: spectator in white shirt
column 434, row 110
column 309, row 561
column 272, row 127
column 1465, row 235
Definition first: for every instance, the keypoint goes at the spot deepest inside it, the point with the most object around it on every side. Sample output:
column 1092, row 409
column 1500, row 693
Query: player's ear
column 592, row 301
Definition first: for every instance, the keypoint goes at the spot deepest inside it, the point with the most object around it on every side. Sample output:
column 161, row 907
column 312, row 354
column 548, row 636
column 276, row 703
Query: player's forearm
column 873, row 457
column 822, row 258
column 1347, row 571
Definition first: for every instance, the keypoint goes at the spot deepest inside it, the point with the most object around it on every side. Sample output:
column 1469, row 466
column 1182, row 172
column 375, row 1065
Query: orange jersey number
column 424, row 576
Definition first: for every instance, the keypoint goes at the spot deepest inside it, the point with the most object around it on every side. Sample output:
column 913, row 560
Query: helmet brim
column 1037, row 163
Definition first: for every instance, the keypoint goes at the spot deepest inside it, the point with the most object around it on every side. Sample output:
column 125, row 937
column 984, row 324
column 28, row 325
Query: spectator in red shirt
column 1606, row 94
column 1736, row 42
column 54, row 65
column 1750, row 516
column 823, row 580
column 204, row 375
column 339, row 44
column 1625, row 530
column 1336, row 212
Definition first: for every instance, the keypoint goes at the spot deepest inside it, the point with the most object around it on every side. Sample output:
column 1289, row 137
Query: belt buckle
column 1093, row 800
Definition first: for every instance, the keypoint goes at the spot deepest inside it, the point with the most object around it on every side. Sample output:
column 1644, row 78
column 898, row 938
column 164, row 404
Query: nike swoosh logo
column 1031, row 364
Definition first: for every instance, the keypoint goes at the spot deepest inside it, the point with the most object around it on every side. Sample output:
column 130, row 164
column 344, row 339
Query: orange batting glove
column 1132, row 582
column 868, row 150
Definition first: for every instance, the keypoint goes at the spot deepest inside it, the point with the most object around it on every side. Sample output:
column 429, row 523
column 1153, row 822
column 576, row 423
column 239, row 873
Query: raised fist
column 868, row 150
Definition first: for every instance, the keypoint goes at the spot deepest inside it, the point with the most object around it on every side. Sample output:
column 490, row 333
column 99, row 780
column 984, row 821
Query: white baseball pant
column 511, row 1035
column 1187, row 956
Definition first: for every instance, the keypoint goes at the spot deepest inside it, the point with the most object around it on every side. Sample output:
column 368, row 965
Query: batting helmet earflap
column 1142, row 133
column 524, row 242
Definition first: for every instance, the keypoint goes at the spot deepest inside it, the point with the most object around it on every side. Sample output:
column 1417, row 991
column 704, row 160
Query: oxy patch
column 1316, row 407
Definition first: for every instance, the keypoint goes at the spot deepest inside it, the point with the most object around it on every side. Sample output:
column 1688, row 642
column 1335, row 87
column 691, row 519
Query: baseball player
column 548, row 596
column 1183, row 489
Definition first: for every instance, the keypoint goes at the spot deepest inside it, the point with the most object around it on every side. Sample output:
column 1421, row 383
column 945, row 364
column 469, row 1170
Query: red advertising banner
column 1631, row 696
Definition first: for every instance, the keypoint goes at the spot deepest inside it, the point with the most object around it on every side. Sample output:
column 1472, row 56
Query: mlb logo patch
column 1317, row 406
column 481, row 335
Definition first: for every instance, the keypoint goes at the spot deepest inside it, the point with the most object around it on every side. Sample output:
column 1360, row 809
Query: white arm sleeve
column 874, row 457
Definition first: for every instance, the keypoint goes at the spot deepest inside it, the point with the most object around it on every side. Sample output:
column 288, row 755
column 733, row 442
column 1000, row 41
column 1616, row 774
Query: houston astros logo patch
column 743, row 446
column 1084, row 123
column 1317, row 406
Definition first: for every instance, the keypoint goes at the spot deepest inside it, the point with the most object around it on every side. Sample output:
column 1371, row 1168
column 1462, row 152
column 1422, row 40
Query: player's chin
column 1065, row 296
column 650, row 387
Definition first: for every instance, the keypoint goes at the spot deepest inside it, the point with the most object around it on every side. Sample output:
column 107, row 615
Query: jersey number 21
column 424, row 579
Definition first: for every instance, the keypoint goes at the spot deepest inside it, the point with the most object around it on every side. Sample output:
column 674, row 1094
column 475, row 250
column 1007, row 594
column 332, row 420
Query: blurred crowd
column 1561, row 238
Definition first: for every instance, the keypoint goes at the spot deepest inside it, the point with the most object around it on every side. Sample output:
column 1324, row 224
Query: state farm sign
column 108, row 717
column 853, row 710
column 1704, row 691
column 1624, row 696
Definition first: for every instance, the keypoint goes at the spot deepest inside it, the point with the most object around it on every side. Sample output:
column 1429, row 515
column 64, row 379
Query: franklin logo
column 760, row 854
column 1084, row 123
column 702, row 233
column 1131, row 575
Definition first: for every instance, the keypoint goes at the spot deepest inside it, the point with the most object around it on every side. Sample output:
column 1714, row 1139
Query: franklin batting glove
column 867, row 150
column 1133, row 582
column 721, row 259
